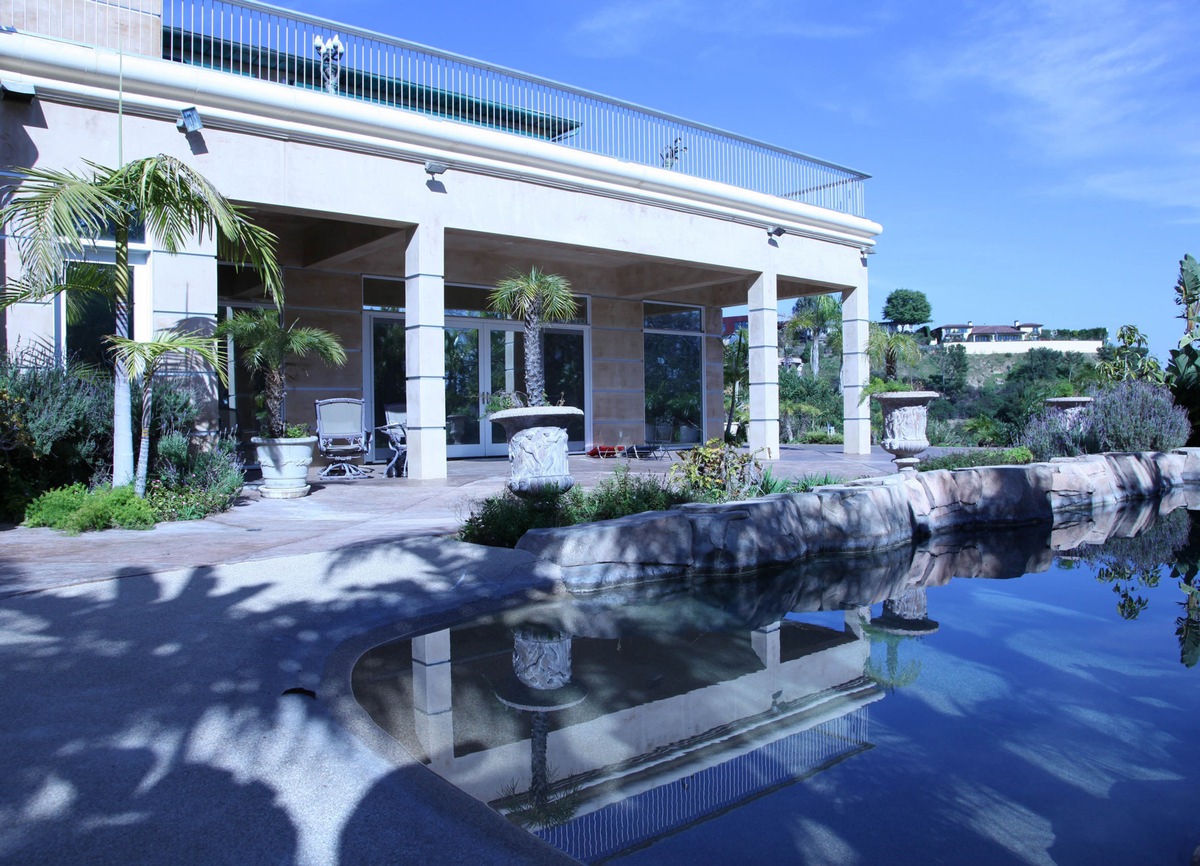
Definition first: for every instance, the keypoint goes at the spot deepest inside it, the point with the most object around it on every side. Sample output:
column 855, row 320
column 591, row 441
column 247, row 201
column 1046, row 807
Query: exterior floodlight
column 777, row 231
column 433, row 169
column 189, row 121
column 17, row 91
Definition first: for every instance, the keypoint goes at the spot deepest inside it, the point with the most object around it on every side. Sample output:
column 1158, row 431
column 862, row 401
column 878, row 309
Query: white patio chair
column 342, row 437
column 396, row 430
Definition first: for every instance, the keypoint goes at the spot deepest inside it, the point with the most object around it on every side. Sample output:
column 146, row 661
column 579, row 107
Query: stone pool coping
column 146, row 718
column 867, row 514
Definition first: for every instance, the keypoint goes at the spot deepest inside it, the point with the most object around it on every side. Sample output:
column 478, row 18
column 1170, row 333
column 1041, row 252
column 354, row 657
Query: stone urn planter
column 284, row 465
column 1070, row 408
column 904, row 417
column 537, row 448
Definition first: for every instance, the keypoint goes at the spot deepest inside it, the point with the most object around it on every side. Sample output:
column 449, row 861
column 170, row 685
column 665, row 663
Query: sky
column 1030, row 159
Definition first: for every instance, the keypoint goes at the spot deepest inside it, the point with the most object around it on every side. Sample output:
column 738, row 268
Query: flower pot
column 284, row 465
column 905, row 414
column 537, row 447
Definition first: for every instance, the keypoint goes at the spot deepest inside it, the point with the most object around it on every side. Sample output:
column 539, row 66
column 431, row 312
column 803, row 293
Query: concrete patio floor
column 146, row 709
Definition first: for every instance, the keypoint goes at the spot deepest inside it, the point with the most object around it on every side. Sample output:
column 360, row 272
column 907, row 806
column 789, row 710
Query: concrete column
column 425, row 350
column 856, row 369
column 763, row 435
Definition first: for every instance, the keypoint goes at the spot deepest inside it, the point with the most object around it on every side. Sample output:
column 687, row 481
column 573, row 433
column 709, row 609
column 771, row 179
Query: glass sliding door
column 482, row 357
column 463, row 391
column 387, row 375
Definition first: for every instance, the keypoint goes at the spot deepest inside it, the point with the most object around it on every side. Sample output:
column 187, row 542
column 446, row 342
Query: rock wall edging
column 867, row 514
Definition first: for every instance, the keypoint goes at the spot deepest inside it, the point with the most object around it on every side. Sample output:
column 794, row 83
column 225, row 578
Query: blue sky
column 1031, row 159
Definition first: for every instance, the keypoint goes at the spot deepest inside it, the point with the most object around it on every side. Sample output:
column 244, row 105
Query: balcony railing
column 265, row 42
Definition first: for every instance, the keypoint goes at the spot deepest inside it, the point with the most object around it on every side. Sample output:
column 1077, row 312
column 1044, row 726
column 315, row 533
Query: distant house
column 1000, row 339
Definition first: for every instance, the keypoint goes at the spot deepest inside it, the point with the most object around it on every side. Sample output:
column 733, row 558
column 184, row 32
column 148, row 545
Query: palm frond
column 144, row 358
column 52, row 215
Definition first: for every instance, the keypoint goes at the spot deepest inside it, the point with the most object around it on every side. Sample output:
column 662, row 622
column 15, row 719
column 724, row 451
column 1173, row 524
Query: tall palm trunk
column 143, row 459
column 122, row 403
column 535, row 373
column 814, row 353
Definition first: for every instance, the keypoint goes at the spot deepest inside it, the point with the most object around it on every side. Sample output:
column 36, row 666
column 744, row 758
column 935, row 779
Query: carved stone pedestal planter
column 1069, row 407
column 537, row 447
column 284, row 465
column 904, row 416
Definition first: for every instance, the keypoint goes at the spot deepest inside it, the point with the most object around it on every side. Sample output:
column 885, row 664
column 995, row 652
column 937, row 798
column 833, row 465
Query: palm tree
column 888, row 349
column 143, row 360
column 269, row 348
column 56, row 216
column 535, row 298
column 816, row 316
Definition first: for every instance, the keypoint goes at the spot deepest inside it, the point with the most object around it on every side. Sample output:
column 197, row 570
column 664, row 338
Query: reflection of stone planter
column 537, row 447
column 689, row 434
column 904, row 416
column 284, row 465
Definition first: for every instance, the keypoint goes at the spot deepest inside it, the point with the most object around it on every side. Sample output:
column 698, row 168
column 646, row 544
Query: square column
column 856, row 369
column 763, row 318
column 425, row 350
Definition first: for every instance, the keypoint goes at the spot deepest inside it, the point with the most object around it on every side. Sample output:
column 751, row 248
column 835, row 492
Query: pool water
column 843, row 711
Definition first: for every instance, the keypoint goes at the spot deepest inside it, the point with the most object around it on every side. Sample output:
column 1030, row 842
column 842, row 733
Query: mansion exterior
column 403, row 182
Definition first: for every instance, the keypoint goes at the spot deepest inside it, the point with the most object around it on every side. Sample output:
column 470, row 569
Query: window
column 673, row 372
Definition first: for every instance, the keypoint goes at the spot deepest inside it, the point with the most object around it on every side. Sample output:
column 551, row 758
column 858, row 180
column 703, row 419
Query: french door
column 482, row 357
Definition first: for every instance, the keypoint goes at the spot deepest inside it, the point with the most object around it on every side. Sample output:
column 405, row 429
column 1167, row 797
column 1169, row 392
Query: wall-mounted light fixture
column 433, row 169
column 189, row 121
column 776, row 231
column 17, row 91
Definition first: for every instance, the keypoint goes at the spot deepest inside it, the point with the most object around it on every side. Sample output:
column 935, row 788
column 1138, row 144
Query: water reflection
column 605, row 722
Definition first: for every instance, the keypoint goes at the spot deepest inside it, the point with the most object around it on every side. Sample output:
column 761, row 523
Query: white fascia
column 73, row 73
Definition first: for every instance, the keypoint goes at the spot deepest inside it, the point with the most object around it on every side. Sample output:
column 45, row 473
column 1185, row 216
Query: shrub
column 967, row 459
column 1135, row 416
column 501, row 520
column 621, row 494
column 716, row 472
column 75, row 509
column 1130, row 416
column 820, row 437
column 191, row 483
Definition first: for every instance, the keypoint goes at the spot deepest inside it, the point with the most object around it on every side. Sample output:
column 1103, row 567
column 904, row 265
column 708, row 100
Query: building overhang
column 77, row 74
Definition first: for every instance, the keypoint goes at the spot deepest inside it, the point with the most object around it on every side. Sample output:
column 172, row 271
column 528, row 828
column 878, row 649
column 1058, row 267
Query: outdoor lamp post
column 331, row 52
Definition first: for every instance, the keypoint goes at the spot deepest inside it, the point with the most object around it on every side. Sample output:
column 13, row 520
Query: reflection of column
column 856, row 369
column 432, row 707
column 425, row 350
column 510, row 360
column 765, row 643
column 763, row 320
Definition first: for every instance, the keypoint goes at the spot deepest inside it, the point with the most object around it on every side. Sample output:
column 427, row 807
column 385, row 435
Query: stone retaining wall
column 868, row 514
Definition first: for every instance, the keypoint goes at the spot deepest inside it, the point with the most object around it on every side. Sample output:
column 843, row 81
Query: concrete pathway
column 145, row 714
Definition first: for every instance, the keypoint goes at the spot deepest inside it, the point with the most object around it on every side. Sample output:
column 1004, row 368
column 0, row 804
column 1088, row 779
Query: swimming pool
column 844, row 710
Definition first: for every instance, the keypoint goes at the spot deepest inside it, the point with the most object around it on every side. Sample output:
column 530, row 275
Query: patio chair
column 342, row 437
column 396, row 430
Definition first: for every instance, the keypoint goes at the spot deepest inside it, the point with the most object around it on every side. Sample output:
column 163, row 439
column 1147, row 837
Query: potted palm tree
column 537, row 434
column 269, row 348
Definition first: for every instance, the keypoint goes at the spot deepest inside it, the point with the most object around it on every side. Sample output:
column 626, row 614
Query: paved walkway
column 336, row 515
column 155, row 718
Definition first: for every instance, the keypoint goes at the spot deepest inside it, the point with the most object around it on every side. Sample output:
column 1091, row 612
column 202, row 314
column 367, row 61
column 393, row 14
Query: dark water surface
column 852, row 710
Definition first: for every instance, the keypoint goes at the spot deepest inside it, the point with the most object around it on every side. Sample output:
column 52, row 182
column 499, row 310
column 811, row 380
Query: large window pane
column 462, row 386
column 674, row 396
column 671, row 317
column 91, row 316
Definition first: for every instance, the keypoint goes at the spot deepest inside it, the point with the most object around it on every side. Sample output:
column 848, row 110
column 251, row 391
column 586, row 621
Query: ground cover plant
column 967, row 459
column 714, row 472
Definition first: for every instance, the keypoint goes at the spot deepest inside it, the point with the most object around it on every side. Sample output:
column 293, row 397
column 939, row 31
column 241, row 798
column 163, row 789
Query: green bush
column 191, row 483
column 717, row 472
column 967, row 459
column 75, row 509
column 820, row 437
column 501, row 520
column 1129, row 416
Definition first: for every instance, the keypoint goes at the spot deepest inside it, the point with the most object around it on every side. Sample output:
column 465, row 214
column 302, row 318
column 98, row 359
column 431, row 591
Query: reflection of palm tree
column 892, row 676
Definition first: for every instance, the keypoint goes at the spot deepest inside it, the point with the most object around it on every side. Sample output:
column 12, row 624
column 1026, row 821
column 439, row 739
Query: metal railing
column 273, row 44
